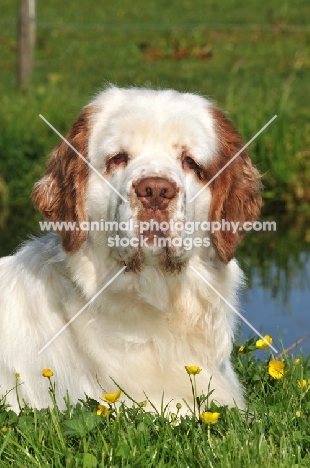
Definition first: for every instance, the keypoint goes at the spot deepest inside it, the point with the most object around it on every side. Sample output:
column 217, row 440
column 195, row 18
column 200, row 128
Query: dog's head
column 148, row 153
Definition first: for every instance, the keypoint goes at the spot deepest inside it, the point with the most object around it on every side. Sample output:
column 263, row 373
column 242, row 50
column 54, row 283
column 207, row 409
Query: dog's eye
column 189, row 163
column 120, row 158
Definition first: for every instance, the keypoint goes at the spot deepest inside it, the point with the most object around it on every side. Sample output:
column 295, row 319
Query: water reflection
column 277, row 265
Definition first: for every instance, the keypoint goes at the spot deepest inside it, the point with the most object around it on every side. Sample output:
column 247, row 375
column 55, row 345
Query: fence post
column 26, row 40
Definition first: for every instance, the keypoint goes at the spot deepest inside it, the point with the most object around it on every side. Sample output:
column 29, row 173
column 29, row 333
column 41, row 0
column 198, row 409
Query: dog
column 132, row 166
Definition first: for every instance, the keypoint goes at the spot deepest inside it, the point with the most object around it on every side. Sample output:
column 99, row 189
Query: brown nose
column 155, row 192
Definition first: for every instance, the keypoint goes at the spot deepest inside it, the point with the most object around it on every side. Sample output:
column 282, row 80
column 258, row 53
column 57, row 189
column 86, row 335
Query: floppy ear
column 235, row 191
column 60, row 194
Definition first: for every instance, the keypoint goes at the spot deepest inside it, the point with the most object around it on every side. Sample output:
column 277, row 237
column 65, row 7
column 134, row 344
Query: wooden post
column 26, row 40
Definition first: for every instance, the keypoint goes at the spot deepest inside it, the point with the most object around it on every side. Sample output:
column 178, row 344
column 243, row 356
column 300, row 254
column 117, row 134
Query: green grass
column 273, row 432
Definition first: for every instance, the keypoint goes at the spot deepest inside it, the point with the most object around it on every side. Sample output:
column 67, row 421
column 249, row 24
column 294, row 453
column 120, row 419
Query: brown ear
column 235, row 191
column 60, row 194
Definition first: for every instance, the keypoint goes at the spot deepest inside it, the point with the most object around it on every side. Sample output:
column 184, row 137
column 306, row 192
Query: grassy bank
column 253, row 61
column 274, row 432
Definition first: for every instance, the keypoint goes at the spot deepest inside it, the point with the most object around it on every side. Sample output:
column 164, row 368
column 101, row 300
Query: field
column 253, row 60
column 274, row 432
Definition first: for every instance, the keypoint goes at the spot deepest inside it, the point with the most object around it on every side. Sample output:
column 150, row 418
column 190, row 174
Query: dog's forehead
column 133, row 118
column 158, row 107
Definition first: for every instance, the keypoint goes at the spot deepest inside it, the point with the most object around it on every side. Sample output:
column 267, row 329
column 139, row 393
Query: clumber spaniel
column 157, row 149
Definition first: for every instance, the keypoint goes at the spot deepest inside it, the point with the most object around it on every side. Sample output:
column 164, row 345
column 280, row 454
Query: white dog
column 157, row 149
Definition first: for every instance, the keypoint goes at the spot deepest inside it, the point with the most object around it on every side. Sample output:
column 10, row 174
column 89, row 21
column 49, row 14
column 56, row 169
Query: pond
column 276, row 298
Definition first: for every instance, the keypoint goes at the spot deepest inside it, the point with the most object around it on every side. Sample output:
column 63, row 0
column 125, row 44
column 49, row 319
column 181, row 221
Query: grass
column 273, row 432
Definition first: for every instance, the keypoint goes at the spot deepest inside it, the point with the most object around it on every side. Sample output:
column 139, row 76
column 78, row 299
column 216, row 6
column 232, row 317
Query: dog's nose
column 155, row 192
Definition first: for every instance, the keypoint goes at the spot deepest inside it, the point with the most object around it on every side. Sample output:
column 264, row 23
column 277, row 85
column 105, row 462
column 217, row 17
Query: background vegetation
column 253, row 60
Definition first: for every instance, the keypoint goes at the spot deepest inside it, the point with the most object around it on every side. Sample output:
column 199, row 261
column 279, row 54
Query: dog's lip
column 148, row 214
column 151, row 235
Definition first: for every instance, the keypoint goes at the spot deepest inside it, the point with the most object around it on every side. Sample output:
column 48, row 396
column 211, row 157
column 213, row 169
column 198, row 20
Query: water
column 285, row 316
column 277, row 300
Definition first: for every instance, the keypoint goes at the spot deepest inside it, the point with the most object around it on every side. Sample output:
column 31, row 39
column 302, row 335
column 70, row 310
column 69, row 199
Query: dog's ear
column 60, row 194
column 235, row 191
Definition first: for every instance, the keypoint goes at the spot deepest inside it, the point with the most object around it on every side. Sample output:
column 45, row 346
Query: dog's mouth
column 155, row 204
column 165, row 260
column 152, row 242
column 153, row 225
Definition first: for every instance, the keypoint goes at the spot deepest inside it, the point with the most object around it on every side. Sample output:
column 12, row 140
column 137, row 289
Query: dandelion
column 302, row 383
column 47, row 373
column 261, row 344
column 209, row 418
column 193, row 370
column 276, row 369
column 112, row 397
column 102, row 409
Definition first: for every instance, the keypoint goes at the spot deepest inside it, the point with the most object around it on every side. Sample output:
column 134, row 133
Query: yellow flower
column 103, row 410
column 142, row 404
column 261, row 344
column 276, row 369
column 296, row 362
column 298, row 414
column 112, row 397
column 193, row 370
column 244, row 350
column 209, row 418
column 302, row 384
column 17, row 376
column 47, row 373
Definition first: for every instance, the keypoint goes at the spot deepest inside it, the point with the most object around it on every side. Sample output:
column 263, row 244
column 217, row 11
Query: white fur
column 146, row 326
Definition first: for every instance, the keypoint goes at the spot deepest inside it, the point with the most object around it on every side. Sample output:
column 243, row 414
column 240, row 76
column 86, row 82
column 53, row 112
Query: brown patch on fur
column 170, row 265
column 60, row 194
column 236, row 191
column 134, row 264
column 177, row 146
